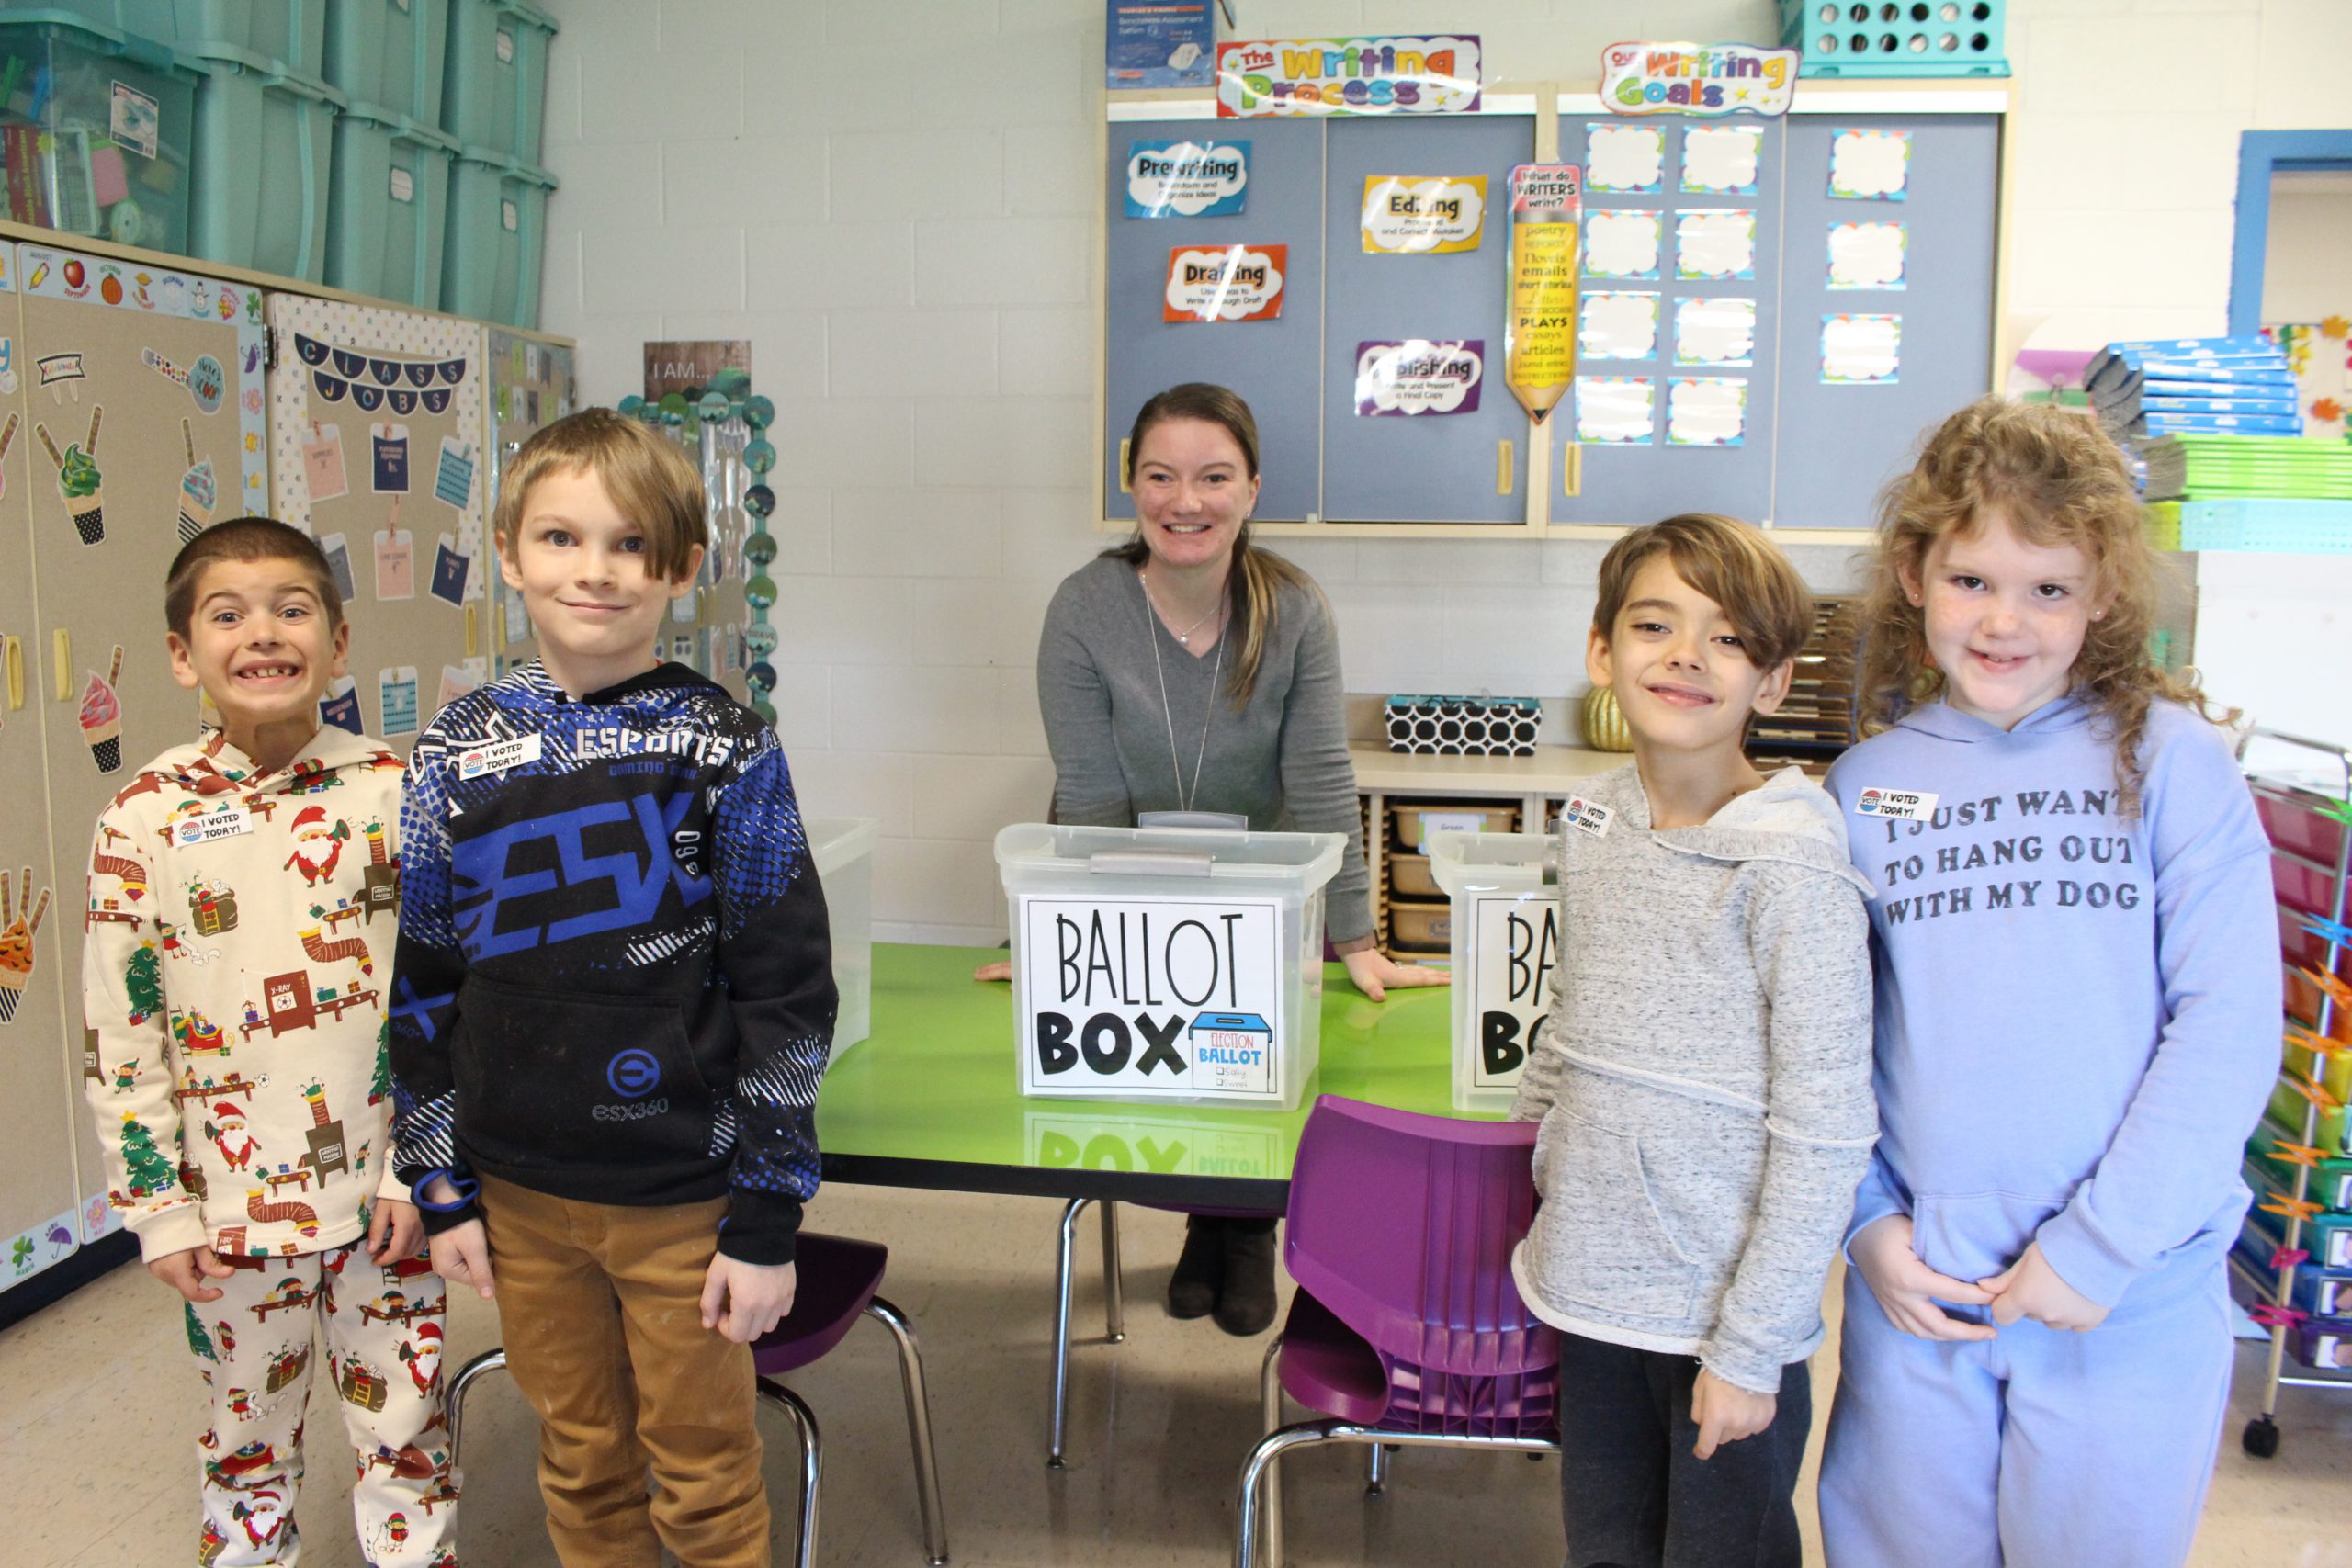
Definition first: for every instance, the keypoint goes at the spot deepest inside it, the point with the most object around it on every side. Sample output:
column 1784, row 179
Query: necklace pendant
column 1183, row 639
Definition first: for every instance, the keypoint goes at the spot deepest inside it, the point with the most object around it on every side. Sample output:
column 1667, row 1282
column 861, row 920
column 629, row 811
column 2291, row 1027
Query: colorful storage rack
column 2296, row 1246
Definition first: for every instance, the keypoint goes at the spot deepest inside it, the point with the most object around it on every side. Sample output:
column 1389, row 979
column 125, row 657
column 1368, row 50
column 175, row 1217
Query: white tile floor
column 105, row 1409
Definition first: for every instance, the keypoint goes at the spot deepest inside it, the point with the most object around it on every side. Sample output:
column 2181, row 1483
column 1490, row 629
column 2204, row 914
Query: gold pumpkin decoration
column 1602, row 723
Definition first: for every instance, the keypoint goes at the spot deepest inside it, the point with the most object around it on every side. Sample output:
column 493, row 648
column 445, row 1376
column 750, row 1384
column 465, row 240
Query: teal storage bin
column 495, row 92
column 291, row 30
column 390, row 206
column 390, row 53
column 96, row 128
column 265, row 150
column 498, row 224
column 1880, row 39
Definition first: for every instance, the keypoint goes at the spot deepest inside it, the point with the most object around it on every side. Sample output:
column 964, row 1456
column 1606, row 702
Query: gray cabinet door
column 1427, row 468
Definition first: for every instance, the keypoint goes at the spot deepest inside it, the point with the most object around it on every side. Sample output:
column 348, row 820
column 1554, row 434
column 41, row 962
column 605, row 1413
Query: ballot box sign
column 1137, row 999
column 1514, row 957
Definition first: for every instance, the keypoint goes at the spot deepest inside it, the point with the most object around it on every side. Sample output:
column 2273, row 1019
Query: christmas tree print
column 381, row 1088
column 199, row 1340
column 144, row 981
column 150, row 1171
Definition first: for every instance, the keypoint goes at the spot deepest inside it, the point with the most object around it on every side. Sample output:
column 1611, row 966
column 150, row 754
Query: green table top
column 931, row 1097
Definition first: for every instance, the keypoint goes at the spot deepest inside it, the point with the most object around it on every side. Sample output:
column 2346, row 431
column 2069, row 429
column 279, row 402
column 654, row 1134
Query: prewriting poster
column 1207, row 178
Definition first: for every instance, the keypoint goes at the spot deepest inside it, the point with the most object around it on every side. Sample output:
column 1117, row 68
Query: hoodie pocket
column 1975, row 1236
column 1601, row 1243
column 566, row 1078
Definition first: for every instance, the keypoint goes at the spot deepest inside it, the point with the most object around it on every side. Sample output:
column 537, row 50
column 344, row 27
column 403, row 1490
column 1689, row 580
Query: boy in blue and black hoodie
column 611, row 1007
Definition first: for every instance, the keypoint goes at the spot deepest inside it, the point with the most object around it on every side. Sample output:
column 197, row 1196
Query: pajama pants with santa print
column 254, row 1346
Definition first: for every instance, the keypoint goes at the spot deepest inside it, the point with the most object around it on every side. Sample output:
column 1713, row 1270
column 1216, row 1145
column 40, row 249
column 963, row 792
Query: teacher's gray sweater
column 1281, row 760
column 1704, row 1079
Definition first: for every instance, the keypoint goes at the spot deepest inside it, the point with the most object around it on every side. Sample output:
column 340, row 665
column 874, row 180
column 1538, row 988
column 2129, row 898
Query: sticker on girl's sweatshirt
column 1904, row 805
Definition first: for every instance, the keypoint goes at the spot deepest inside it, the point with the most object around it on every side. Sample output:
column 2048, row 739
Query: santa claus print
column 263, row 1514
column 421, row 1350
column 318, row 845
column 227, row 1130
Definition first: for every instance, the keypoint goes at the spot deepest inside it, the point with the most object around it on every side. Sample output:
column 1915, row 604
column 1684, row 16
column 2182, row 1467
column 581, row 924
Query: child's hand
column 743, row 1301
column 1000, row 970
column 1726, row 1413
column 461, row 1255
column 186, row 1272
column 2032, row 1288
column 1907, row 1289
column 394, row 1230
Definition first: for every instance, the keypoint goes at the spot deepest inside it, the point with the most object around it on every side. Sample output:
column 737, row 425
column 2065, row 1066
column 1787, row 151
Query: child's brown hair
column 1730, row 562
column 247, row 540
column 652, row 481
column 2059, row 481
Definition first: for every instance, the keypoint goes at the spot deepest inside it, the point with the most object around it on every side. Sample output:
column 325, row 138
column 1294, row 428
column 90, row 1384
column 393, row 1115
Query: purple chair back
column 1402, row 1225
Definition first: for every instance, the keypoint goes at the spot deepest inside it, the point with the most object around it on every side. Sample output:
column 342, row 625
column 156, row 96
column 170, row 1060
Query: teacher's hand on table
column 1370, row 972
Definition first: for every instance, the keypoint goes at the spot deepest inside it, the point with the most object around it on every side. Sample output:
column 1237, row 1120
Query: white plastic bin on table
column 1506, row 951
column 842, row 850
column 1170, row 966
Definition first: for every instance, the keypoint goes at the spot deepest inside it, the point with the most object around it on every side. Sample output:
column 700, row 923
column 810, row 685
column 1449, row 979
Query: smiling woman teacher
column 1189, row 670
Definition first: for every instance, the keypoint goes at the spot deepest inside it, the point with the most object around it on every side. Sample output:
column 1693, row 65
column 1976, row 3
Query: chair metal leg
column 1269, row 1394
column 1114, row 1283
column 804, row 1424
column 1376, row 1471
column 1307, row 1434
column 911, row 1379
column 490, row 1360
column 1062, row 1271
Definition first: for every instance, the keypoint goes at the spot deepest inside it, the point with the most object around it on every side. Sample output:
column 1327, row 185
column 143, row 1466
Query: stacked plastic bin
column 96, row 126
column 387, row 220
column 493, row 104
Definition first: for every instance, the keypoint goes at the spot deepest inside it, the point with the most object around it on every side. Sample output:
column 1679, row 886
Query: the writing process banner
column 1347, row 76
column 1514, row 953
column 1131, row 998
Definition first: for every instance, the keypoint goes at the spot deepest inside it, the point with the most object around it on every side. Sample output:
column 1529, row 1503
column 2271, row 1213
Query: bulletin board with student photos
column 1771, row 312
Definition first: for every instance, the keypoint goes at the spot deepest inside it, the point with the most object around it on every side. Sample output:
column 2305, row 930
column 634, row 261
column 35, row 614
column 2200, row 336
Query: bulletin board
column 1774, row 432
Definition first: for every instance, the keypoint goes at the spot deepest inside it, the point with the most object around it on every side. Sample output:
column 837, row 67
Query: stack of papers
column 2200, row 468
column 2194, row 387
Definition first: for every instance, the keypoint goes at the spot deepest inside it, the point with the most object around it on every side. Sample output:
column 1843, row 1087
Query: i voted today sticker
column 229, row 823
column 1906, row 805
column 497, row 757
column 1588, row 817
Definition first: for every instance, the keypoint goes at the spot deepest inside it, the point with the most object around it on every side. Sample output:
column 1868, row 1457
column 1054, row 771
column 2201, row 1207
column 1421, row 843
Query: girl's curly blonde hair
column 2059, row 481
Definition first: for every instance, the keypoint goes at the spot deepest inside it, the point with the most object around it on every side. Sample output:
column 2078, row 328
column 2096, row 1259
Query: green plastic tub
column 496, row 91
column 390, row 53
column 497, row 240
column 291, row 30
column 96, row 129
column 390, row 206
column 265, row 150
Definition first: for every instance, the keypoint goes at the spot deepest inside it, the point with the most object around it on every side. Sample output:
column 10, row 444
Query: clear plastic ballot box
column 842, row 850
column 1506, row 951
column 1172, row 965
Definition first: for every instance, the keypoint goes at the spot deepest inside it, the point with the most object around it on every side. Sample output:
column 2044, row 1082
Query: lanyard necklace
column 1184, row 798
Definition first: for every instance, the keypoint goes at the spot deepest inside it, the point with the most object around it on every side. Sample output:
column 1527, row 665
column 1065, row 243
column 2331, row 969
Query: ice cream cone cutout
column 16, row 941
column 7, row 439
column 102, row 717
column 78, row 479
column 199, row 491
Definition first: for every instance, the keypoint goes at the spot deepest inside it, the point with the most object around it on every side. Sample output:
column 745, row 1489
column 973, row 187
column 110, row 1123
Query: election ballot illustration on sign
column 1167, row 965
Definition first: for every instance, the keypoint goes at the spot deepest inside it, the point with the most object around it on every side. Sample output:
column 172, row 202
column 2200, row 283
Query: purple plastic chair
column 1406, row 1328
column 838, row 1279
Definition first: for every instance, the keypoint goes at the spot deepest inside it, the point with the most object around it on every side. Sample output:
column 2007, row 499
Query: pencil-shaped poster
column 1540, row 331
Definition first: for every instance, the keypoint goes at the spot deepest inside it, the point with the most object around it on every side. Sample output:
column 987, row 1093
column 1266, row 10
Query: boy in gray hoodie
column 1703, row 1078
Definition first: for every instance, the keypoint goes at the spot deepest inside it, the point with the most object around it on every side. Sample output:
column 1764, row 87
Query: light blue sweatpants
column 2034, row 1449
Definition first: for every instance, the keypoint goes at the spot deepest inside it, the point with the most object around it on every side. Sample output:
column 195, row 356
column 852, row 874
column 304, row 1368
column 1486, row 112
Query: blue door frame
column 2260, row 154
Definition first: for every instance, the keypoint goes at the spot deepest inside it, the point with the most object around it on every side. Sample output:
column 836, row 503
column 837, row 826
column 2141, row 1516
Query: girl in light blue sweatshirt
column 2077, row 1021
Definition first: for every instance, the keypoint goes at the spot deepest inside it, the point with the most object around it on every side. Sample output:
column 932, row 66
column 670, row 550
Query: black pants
column 1637, row 1497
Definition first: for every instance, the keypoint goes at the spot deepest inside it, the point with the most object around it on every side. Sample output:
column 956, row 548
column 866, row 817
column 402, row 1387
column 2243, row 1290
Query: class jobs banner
column 1347, row 76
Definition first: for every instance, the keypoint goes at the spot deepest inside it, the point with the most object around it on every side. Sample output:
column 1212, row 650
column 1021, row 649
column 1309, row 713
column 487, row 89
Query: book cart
column 2296, row 1248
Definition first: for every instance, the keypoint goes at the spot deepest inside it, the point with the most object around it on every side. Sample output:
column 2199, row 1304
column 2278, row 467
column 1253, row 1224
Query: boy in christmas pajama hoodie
column 241, row 923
